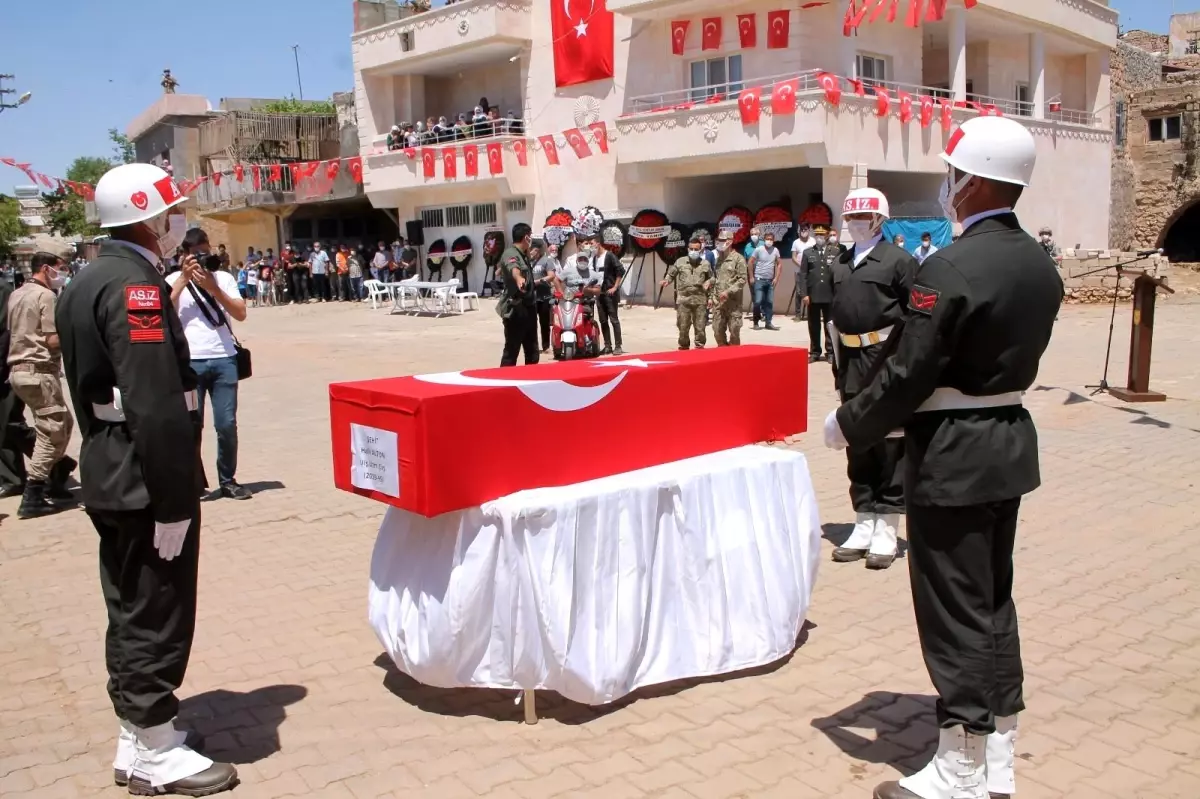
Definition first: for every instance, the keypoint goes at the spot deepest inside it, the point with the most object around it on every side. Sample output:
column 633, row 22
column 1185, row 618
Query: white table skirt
column 689, row 569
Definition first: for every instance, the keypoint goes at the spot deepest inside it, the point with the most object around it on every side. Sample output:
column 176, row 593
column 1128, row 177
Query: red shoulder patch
column 143, row 298
column 146, row 328
column 923, row 300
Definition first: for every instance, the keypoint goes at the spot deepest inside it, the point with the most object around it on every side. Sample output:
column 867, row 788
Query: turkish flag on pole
column 520, row 147
column 276, row 173
column 679, row 30
column 926, row 111
column 947, row 113
column 471, row 160
column 239, row 172
column 297, row 171
column 832, row 87
column 574, row 137
column 937, row 11
column 858, row 87
column 582, row 33
column 216, row 178
column 848, row 21
column 550, row 149
column 914, row 13
column 970, row 3
column 495, row 154
column 600, row 131
column 747, row 30
column 449, row 162
column 355, row 166
column 783, row 97
column 710, row 27
column 748, row 105
column 778, row 26
column 893, row 10
column 256, row 171
column 883, row 103
column 428, row 162
column 879, row 6
column 906, row 109
column 332, row 168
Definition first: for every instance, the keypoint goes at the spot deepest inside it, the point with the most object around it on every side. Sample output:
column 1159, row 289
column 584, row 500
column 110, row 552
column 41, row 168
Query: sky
column 91, row 67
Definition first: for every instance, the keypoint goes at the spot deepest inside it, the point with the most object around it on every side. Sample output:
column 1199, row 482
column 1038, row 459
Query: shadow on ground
column 500, row 704
column 240, row 727
column 904, row 727
column 255, row 488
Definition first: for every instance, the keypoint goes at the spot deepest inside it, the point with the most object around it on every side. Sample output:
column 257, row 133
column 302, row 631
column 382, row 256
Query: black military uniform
column 981, row 314
column 520, row 323
column 869, row 302
column 608, row 305
column 816, row 283
column 16, row 437
column 119, row 331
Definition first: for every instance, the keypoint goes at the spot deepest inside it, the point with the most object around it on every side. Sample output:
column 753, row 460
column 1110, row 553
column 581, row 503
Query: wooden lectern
column 1145, row 291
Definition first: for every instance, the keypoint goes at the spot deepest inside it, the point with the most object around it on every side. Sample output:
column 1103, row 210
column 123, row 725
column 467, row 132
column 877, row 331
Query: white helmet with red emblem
column 133, row 193
column 866, row 201
column 995, row 148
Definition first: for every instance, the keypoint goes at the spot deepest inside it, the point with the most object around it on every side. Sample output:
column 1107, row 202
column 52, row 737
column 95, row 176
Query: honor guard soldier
column 127, row 365
column 815, row 290
column 981, row 314
column 517, row 308
column 693, row 279
column 871, row 282
column 729, row 283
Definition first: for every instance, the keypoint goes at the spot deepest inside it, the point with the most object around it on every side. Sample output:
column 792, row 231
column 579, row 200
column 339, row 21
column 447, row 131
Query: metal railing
column 491, row 130
column 719, row 92
column 285, row 191
column 386, row 158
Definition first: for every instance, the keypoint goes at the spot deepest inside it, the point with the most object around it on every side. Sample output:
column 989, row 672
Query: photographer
column 205, row 299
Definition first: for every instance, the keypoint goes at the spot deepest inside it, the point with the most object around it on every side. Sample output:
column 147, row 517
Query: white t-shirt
column 800, row 245
column 203, row 341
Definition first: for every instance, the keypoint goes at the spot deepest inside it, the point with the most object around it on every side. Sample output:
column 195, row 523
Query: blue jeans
column 356, row 287
column 218, row 377
column 764, row 300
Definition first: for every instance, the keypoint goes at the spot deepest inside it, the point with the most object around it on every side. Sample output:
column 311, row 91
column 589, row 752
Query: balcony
column 445, row 39
column 665, row 9
column 673, row 128
column 231, row 196
column 388, row 175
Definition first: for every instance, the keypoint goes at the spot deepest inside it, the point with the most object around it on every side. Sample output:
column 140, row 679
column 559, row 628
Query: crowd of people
column 484, row 121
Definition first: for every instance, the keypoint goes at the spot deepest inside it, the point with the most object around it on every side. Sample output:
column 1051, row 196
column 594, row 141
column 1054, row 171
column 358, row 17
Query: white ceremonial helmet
column 996, row 148
column 132, row 193
column 866, row 201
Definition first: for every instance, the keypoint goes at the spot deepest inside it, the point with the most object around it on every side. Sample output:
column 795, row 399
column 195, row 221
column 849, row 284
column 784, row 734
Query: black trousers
column 16, row 438
column 543, row 314
column 321, row 287
column 151, row 614
column 299, row 285
column 520, row 333
column 463, row 282
column 818, row 318
column 961, row 569
column 607, row 306
column 877, row 477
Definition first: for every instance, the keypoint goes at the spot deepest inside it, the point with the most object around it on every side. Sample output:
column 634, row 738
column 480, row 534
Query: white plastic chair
column 405, row 289
column 376, row 291
column 441, row 296
column 466, row 299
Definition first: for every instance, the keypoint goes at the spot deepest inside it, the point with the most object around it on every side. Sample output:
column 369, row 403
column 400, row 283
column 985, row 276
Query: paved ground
column 287, row 678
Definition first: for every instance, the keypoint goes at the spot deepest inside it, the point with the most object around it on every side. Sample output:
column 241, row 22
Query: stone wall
column 1087, row 279
column 1133, row 68
column 1166, row 177
column 1145, row 40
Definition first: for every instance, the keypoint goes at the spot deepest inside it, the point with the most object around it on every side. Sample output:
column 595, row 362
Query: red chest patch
column 143, row 298
column 923, row 300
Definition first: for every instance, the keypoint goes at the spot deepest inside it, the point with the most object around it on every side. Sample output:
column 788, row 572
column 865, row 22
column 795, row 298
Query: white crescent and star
column 777, row 24
column 553, row 395
column 680, row 33
column 746, row 23
column 712, row 25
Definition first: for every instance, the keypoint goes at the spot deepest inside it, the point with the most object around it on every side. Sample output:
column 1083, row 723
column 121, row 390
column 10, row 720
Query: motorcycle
column 573, row 330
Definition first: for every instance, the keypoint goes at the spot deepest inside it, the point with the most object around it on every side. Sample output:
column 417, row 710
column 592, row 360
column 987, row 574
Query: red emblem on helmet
column 139, row 200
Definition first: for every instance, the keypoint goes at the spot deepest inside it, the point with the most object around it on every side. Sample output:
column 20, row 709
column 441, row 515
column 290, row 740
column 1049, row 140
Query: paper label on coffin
column 374, row 464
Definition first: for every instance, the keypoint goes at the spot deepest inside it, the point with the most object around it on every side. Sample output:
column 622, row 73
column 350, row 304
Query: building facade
column 675, row 140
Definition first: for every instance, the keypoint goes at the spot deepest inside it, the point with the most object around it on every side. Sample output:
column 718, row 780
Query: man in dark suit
column 16, row 437
column 870, row 295
column 128, row 366
column 981, row 313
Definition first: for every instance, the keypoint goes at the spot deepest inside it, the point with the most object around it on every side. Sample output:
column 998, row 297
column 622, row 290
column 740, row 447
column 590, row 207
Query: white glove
column 833, row 432
column 169, row 536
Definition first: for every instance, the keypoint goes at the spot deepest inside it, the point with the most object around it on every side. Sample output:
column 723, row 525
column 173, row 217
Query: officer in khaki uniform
column 693, row 279
column 35, row 363
column 727, row 292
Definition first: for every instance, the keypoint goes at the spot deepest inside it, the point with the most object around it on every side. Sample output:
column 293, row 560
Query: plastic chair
column 376, row 291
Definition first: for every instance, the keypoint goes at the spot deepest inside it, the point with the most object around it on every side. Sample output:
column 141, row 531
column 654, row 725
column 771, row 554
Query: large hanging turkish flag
column 711, row 33
column 582, row 33
column 749, row 105
column 778, row 25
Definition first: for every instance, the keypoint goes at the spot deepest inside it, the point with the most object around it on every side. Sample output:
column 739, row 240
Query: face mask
column 861, row 230
column 769, row 244
column 754, row 239
column 57, row 280
column 948, row 195
column 1046, row 237
column 694, row 255
column 722, row 246
column 820, row 240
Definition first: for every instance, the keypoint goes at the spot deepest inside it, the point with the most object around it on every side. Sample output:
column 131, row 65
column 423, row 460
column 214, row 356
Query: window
column 458, row 216
column 432, row 217
column 716, row 76
column 1166, row 128
column 870, row 69
column 327, row 229
column 1193, row 46
column 516, row 205
column 484, row 214
column 1022, row 96
column 1119, row 123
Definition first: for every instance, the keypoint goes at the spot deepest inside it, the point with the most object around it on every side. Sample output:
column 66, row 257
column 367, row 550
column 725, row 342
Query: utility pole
column 24, row 98
column 296, row 55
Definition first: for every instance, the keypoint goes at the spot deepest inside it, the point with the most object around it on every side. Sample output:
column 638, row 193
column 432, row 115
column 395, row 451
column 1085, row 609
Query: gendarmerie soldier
column 871, row 282
column 517, row 307
column 980, row 316
column 815, row 290
column 127, row 364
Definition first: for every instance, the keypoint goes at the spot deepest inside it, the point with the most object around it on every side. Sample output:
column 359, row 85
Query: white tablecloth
column 693, row 568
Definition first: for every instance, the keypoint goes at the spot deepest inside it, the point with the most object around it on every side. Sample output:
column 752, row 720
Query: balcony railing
column 684, row 99
column 231, row 194
column 384, row 158
column 489, row 131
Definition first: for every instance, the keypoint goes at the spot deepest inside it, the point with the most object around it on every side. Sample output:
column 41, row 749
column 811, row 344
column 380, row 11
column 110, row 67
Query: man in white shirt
column 926, row 249
column 205, row 297
column 803, row 243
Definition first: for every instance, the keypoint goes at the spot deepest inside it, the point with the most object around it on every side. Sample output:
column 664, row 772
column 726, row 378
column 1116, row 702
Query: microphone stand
column 1103, row 387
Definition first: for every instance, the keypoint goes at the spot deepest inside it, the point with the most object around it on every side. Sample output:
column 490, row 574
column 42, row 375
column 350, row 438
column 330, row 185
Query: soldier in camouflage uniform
column 693, row 279
column 727, row 292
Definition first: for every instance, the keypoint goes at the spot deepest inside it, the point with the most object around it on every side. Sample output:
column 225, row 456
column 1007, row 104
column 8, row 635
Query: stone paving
column 287, row 679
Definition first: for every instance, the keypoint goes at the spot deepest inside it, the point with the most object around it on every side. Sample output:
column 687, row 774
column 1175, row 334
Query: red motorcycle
column 573, row 329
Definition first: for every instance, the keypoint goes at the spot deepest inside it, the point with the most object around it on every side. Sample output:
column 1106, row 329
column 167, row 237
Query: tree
column 123, row 152
column 290, row 105
column 11, row 226
column 66, row 214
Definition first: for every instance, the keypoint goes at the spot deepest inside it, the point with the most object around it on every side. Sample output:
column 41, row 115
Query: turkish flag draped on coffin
column 583, row 41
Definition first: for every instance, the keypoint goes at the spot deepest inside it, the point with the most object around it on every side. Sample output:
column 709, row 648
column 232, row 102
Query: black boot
column 33, row 501
column 56, row 487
